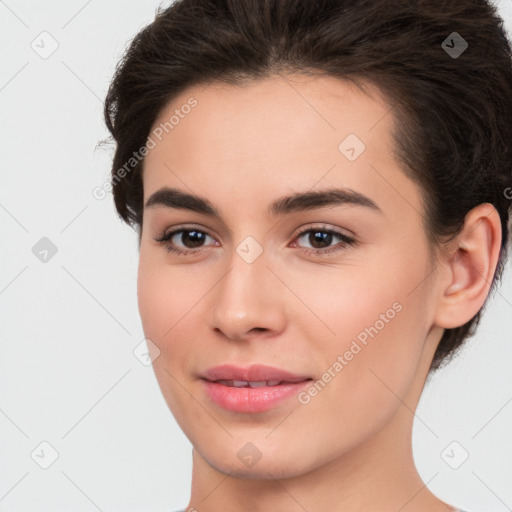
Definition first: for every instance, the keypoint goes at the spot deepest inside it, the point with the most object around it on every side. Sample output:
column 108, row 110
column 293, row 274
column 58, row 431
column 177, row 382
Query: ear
column 468, row 264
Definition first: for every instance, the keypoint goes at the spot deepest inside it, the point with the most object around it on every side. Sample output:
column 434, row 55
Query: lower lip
column 251, row 399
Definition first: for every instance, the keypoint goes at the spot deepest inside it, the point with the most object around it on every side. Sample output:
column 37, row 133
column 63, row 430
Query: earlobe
column 469, row 267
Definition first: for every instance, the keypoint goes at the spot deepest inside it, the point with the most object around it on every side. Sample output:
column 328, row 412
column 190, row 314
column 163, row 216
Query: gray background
column 68, row 375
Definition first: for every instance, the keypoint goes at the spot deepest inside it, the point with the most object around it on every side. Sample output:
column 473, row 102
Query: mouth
column 254, row 374
column 253, row 384
column 253, row 389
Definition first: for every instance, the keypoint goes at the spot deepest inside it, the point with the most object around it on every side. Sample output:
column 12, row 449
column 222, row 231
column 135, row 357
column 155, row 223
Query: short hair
column 451, row 104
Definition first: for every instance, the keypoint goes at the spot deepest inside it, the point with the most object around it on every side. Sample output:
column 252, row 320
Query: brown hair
column 452, row 110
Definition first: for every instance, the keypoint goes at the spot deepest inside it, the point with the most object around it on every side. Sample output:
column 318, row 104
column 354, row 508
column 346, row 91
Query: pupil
column 319, row 237
column 195, row 240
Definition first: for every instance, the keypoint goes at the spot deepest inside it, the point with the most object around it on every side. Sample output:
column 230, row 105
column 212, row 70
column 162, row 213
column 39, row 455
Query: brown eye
column 321, row 240
column 184, row 241
column 191, row 238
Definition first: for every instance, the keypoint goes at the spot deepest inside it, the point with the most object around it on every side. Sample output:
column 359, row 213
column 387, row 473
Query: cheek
column 163, row 296
column 153, row 301
column 165, row 304
column 371, row 319
column 162, row 302
column 366, row 365
column 171, row 307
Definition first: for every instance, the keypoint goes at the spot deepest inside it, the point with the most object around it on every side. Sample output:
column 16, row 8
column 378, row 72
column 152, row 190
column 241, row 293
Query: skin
column 243, row 147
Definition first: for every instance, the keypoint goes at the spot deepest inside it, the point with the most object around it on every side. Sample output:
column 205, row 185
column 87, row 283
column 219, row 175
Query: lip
column 251, row 400
column 255, row 372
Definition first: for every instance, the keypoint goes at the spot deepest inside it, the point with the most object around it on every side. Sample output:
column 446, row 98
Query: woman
column 322, row 196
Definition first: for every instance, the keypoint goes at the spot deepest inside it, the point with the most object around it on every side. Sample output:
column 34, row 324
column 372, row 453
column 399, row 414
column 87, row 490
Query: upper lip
column 253, row 373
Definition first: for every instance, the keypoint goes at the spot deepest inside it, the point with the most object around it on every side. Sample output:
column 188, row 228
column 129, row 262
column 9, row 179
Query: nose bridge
column 246, row 298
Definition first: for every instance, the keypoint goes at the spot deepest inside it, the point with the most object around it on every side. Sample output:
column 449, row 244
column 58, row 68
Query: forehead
column 277, row 110
column 278, row 133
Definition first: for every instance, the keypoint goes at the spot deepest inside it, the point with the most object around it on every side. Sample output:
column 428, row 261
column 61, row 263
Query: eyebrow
column 177, row 199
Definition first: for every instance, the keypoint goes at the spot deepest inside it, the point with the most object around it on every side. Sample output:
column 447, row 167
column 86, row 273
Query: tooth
column 244, row 383
column 239, row 383
column 258, row 384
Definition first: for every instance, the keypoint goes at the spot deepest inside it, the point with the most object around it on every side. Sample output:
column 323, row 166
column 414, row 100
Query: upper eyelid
column 167, row 235
column 322, row 227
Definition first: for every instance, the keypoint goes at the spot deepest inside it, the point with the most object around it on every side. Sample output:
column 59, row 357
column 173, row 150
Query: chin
column 262, row 470
column 268, row 461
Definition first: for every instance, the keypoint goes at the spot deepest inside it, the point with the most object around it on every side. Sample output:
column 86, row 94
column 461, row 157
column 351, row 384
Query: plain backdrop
column 73, row 396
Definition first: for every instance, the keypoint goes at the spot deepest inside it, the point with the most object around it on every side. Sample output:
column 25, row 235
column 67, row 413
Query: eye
column 191, row 238
column 321, row 239
column 186, row 241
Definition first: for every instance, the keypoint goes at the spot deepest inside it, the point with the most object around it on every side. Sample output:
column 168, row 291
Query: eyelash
column 346, row 241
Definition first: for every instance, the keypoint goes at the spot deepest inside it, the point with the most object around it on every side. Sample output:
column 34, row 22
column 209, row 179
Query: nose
column 249, row 301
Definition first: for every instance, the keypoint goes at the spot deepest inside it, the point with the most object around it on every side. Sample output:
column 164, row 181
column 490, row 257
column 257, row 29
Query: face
column 304, row 251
